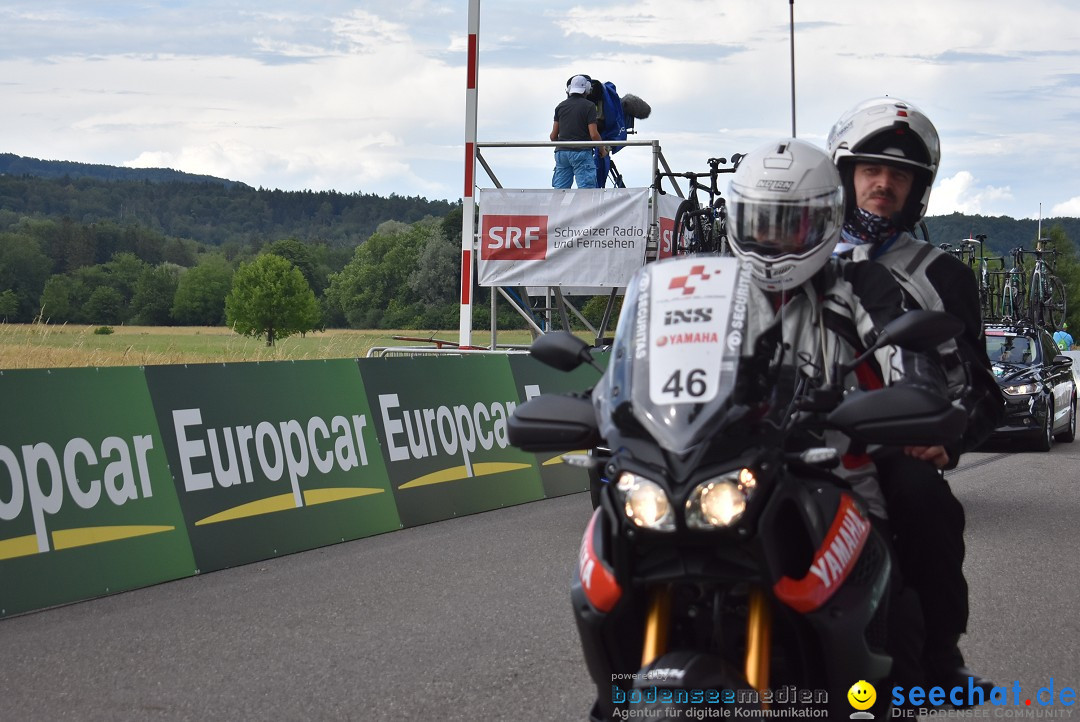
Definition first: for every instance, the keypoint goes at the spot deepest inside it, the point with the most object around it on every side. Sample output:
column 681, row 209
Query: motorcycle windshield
column 676, row 351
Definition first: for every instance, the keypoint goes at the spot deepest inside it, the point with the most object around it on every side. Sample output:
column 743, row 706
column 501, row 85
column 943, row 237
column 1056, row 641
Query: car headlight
column 1021, row 389
column 645, row 502
column 720, row 502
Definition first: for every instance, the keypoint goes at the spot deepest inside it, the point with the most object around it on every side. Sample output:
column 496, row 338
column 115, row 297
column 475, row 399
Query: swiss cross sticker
column 514, row 238
column 683, row 282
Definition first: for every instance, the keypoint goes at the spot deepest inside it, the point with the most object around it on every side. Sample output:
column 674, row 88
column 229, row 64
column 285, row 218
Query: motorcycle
column 726, row 564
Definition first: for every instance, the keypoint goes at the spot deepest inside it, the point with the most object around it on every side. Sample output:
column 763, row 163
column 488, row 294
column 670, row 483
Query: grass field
column 24, row 346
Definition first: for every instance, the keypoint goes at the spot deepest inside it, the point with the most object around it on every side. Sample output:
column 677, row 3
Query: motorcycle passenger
column 888, row 152
column 785, row 213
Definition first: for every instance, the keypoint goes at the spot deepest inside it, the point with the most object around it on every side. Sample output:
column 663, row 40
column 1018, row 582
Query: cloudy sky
column 369, row 96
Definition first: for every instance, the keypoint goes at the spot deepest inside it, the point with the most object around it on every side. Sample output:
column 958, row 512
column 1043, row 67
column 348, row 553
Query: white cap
column 579, row 85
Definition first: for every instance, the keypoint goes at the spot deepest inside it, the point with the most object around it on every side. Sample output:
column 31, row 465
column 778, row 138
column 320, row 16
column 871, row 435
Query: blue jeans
column 573, row 165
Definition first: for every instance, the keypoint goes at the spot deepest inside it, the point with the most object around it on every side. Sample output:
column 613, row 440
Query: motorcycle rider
column 785, row 204
column 888, row 152
column 802, row 312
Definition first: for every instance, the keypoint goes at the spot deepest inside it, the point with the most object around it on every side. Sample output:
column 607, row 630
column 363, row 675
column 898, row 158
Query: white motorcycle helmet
column 891, row 131
column 785, row 210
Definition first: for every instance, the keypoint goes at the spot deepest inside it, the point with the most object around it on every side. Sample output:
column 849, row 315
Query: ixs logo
column 688, row 315
column 514, row 238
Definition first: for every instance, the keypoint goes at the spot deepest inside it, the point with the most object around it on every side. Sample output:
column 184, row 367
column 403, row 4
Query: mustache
column 886, row 194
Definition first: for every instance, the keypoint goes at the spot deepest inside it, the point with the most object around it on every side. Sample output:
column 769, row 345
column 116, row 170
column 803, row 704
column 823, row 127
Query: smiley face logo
column 862, row 695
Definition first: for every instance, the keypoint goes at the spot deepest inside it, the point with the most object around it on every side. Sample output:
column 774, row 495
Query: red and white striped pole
column 468, row 203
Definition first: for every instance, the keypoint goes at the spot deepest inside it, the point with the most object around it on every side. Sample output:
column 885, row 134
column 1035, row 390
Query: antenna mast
column 791, row 3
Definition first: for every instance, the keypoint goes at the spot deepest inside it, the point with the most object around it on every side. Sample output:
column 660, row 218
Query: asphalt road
column 469, row 619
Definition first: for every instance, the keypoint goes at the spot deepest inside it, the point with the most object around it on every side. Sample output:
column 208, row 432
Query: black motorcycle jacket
column 830, row 320
column 934, row 280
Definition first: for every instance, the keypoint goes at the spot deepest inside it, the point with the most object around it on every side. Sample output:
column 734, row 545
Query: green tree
column 152, row 302
column 373, row 289
column 9, row 305
column 271, row 298
column 105, row 305
column 302, row 256
column 200, row 293
column 24, row 269
column 57, row 299
column 1068, row 270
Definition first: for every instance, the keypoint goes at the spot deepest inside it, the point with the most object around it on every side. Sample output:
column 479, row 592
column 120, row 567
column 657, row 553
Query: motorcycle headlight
column 645, row 502
column 720, row 502
column 1021, row 389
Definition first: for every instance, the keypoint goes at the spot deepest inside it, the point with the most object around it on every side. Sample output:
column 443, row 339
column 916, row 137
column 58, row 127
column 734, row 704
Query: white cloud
column 1070, row 207
column 961, row 194
column 373, row 99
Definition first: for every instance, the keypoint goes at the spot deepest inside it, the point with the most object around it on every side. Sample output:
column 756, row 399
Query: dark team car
column 1037, row 383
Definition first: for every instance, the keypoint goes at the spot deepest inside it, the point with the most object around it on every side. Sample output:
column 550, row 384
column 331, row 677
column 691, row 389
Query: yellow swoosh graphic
column 457, row 473
column 20, row 546
column 323, row 496
column 284, row 502
column 71, row 538
column 269, row 505
column 558, row 458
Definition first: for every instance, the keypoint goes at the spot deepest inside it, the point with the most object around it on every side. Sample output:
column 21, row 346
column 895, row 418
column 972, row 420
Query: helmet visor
column 773, row 228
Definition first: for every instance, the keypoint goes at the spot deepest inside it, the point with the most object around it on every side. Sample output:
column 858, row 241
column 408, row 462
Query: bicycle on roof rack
column 1013, row 288
column 1047, row 292
column 979, row 263
column 701, row 227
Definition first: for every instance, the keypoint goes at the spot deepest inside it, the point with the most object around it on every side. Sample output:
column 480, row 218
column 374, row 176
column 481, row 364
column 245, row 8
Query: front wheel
column 1046, row 437
column 685, row 236
column 1053, row 302
column 1070, row 431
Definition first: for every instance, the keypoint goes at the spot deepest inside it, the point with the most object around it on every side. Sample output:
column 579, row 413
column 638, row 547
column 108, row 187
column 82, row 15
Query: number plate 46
column 689, row 316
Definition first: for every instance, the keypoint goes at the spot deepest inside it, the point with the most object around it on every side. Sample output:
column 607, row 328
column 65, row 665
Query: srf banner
column 591, row 238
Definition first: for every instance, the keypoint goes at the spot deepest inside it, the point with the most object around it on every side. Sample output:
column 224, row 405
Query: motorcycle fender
column 832, row 561
column 595, row 576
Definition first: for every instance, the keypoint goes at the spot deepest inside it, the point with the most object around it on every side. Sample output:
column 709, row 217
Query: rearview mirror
column 920, row 330
column 561, row 350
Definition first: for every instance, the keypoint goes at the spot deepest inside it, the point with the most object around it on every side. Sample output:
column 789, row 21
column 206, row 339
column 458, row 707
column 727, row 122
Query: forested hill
column 202, row 208
column 1002, row 233
column 11, row 164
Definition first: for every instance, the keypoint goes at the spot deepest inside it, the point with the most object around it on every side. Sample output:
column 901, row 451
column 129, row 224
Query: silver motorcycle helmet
column 893, row 132
column 785, row 210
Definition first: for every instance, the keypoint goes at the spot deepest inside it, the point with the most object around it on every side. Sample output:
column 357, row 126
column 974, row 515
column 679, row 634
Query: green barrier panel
column 534, row 378
column 271, row 458
column 442, row 426
column 87, row 505
column 119, row 478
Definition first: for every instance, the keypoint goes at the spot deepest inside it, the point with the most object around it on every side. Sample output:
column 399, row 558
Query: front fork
column 758, row 633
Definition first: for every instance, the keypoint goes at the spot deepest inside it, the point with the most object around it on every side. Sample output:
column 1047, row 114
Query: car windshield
column 1017, row 350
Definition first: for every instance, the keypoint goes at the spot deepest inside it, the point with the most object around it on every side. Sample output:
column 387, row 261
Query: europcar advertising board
column 270, row 459
column 534, row 378
column 443, row 432
column 87, row 503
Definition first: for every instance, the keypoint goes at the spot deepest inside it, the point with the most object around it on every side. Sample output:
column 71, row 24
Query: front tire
column 1046, row 439
column 1070, row 432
